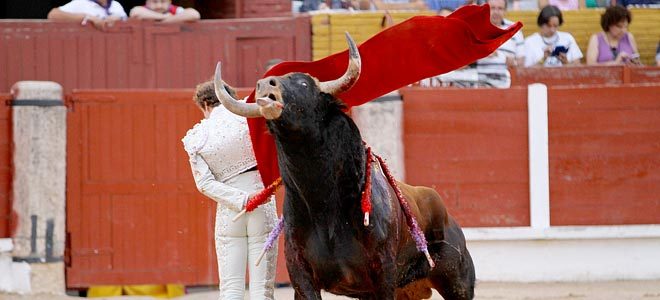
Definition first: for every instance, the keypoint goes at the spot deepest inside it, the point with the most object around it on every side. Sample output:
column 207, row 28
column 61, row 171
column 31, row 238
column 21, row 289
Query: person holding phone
column 615, row 45
column 550, row 47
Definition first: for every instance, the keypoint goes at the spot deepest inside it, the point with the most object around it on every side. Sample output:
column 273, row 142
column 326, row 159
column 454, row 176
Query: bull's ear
column 340, row 104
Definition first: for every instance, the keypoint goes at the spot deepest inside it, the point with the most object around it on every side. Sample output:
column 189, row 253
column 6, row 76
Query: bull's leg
column 301, row 296
column 454, row 274
column 456, row 286
column 302, row 285
column 386, row 279
column 300, row 280
column 300, row 274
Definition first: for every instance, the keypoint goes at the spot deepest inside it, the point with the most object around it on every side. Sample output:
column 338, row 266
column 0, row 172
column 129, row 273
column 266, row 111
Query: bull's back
column 426, row 205
column 431, row 214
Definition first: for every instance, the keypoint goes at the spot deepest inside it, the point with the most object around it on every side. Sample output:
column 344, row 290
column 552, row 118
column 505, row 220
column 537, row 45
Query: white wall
column 14, row 276
column 566, row 260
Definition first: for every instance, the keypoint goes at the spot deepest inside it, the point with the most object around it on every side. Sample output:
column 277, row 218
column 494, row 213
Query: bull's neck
column 324, row 172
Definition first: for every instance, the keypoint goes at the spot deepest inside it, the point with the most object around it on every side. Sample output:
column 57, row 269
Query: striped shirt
column 447, row 4
column 493, row 69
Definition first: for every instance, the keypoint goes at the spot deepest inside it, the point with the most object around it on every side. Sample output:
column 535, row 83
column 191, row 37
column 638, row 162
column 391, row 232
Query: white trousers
column 239, row 244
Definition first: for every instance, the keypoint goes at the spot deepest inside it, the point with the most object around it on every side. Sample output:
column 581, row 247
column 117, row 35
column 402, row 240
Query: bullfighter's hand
column 250, row 196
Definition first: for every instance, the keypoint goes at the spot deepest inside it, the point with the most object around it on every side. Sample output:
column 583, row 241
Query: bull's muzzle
column 269, row 97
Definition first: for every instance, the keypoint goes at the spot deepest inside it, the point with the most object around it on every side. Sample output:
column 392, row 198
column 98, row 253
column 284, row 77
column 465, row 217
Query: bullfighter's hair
column 205, row 94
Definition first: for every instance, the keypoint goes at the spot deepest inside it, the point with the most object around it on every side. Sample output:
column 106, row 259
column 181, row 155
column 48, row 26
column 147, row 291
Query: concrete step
column 14, row 276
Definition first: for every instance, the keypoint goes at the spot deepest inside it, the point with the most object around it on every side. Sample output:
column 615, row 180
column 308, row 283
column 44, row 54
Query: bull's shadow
column 322, row 161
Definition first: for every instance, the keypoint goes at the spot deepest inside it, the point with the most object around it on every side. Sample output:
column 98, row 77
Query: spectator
column 101, row 13
column 308, row 5
column 164, row 11
column 657, row 55
column 446, row 4
column 599, row 3
column 550, row 47
column 615, row 45
column 399, row 4
column 445, row 12
column 524, row 5
column 638, row 3
column 563, row 4
column 493, row 70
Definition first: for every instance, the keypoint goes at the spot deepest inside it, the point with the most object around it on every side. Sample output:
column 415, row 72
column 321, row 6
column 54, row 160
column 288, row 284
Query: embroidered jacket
column 219, row 148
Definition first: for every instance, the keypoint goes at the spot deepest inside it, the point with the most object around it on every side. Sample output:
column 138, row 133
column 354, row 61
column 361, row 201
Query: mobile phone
column 559, row 49
column 633, row 58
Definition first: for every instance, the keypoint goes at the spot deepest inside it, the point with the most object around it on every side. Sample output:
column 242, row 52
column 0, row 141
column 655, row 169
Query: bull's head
column 294, row 92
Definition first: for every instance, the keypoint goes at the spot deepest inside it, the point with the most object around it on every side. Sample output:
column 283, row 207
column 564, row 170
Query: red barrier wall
column 132, row 204
column 138, row 54
column 581, row 75
column 5, row 165
column 604, row 155
column 471, row 146
column 645, row 75
column 244, row 9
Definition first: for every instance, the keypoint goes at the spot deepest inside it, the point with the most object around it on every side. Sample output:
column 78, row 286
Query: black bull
column 322, row 162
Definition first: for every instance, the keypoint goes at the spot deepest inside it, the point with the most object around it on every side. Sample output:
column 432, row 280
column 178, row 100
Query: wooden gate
column 133, row 212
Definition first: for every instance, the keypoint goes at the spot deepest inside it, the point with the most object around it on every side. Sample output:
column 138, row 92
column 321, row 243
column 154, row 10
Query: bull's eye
column 303, row 83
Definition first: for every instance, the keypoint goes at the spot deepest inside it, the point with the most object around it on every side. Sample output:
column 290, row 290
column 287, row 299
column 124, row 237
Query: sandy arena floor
column 616, row 290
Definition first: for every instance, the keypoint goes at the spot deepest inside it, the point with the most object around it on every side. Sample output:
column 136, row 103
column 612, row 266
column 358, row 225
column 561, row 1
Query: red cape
column 417, row 48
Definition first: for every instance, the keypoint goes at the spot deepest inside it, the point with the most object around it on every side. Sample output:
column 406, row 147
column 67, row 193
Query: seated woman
column 550, row 47
column 615, row 45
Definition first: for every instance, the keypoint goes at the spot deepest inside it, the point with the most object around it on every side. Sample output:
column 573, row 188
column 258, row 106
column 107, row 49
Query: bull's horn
column 352, row 74
column 248, row 110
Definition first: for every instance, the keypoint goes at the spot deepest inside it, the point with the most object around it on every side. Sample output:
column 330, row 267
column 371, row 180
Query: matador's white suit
column 223, row 165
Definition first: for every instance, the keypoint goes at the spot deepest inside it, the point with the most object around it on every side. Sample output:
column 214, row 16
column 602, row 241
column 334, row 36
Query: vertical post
column 381, row 126
column 39, row 156
column 539, row 168
column 626, row 74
